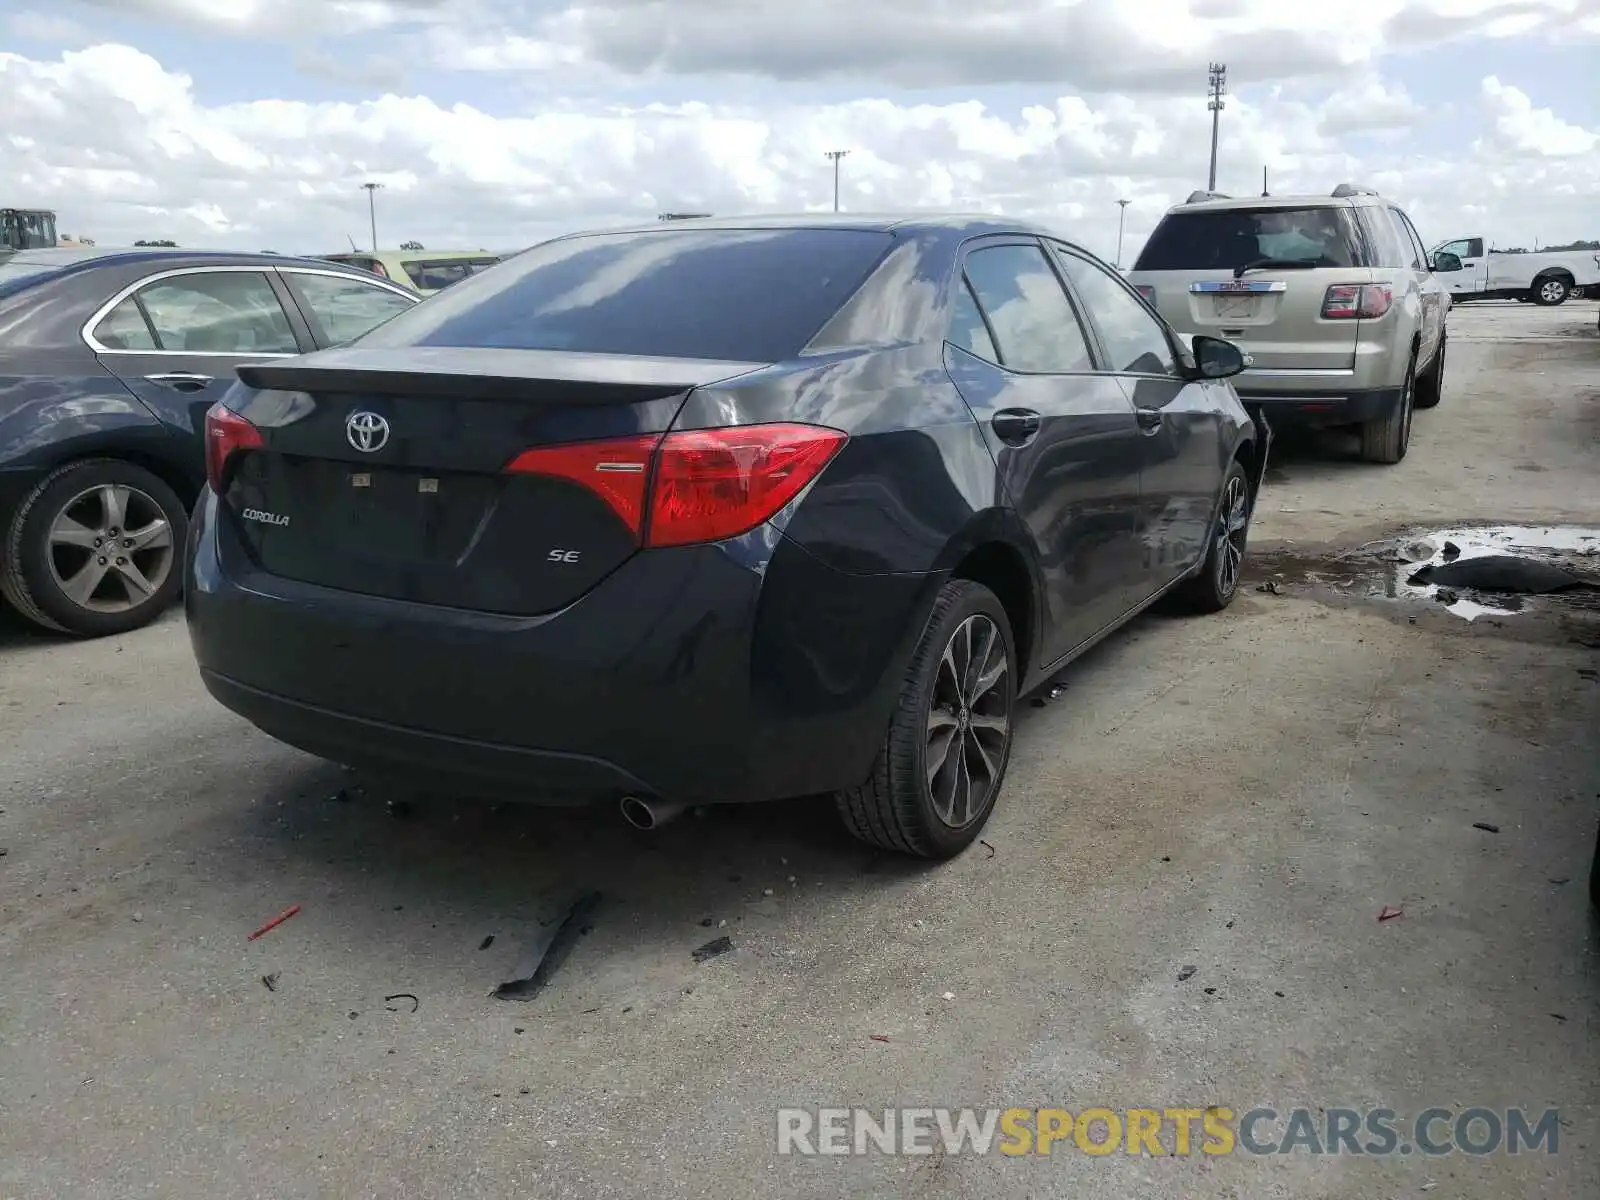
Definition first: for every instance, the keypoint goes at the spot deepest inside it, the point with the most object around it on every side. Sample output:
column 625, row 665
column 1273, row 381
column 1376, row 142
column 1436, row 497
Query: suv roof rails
column 1196, row 197
column 1345, row 190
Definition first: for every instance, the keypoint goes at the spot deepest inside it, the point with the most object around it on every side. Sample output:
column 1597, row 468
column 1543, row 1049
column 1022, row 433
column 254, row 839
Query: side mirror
column 1445, row 261
column 1215, row 358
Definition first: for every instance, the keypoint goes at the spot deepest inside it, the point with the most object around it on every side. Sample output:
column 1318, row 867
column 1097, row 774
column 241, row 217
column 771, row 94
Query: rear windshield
column 438, row 274
column 1224, row 240
column 749, row 295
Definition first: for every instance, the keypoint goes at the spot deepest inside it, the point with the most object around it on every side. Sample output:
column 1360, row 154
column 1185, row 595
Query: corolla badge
column 366, row 431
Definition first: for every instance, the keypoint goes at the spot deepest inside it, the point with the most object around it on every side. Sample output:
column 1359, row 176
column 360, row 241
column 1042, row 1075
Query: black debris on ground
column 1499, row 573
column 488, row 940
column 547, row 951
column 1187, row 974
column 1486, row 826
column 713, row 948
column 389, row 1001
column 270, row 982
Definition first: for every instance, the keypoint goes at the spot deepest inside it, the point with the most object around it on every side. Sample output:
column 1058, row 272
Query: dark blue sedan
column 109, row 360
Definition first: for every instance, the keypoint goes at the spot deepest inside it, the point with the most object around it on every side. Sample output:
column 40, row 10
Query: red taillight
column 226, row 432
column 618, row 471
column 697, row 485
column 1356, row 301
column 712, row 484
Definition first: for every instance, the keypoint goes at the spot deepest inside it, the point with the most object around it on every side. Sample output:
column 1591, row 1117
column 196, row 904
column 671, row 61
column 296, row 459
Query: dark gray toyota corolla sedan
column 717, row 511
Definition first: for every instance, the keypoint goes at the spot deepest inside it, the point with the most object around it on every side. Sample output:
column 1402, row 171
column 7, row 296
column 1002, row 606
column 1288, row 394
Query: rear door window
column 1419, row 252
column 218, row 312
column 346, row 308
column 1035, row 326
column 967, row 329
column 124, row 328
column 1389, row 242
column 1227, row 239
column 751, row 295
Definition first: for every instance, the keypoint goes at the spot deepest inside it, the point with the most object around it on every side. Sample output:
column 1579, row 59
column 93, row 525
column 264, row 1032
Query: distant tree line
column 161, row 242
column 1550, row 249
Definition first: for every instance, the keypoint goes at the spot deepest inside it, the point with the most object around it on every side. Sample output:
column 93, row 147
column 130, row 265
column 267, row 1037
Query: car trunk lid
column 391, row 472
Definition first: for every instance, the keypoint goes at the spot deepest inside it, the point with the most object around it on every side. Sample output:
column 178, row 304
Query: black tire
column 896, row 808
column 1386, row 439
column 35, row 568
column 1430, row 388
column 1550, row 290
column 1214, row 588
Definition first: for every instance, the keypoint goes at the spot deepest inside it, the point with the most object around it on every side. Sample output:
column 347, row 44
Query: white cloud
column 1522, row 131
column 121, row 145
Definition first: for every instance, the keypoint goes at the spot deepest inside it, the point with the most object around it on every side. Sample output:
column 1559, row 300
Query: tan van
column 423, row 271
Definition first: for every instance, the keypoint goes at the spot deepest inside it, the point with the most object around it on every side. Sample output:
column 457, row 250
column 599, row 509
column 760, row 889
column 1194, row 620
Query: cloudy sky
column 494, row 123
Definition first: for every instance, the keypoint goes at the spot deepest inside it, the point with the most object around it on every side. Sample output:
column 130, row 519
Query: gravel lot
column 1241, row 795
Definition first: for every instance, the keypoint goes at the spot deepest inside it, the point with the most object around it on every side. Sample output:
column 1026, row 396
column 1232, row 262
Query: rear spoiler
column 539, row 376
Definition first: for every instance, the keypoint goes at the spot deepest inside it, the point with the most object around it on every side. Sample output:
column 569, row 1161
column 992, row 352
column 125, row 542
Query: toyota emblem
column 366, row 431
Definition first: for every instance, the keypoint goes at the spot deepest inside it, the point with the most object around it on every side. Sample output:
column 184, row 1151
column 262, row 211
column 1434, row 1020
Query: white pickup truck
column 1545, row 278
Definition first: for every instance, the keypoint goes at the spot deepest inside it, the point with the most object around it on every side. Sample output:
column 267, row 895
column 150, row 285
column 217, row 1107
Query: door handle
column 183, row 381
column 1470, row 263
column 1149, row 418
column 1015, row 426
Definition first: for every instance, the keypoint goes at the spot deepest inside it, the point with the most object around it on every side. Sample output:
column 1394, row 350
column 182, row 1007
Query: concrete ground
column 1240, row 795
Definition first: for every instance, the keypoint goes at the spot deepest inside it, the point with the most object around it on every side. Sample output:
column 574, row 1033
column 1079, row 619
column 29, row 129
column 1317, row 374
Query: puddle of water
column 1384, row 569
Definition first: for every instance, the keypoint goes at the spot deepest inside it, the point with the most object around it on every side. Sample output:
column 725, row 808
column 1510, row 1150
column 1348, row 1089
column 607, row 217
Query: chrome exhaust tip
column 648, row 814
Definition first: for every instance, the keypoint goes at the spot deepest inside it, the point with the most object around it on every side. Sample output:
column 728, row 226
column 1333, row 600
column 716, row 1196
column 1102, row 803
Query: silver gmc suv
column 1333, row 297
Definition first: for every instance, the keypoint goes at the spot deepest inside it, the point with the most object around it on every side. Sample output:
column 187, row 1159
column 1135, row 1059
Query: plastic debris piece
column 270, row 982
column 546, row 952
column 713, row 948
column 1389, row 913
column 879, row 1037
column 488, row 940
column 1186, row 974
column 1486, row 827
column 272, row 924
column 388, row 1001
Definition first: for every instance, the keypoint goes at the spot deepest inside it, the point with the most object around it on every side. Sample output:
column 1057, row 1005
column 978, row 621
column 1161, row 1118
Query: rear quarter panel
column 915, row 473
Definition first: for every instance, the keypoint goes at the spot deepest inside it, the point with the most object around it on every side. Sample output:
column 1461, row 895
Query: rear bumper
column 711, row 674
column 1347, row 406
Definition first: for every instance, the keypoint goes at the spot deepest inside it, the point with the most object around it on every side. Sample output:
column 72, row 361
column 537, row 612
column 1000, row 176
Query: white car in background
column 1546, row 278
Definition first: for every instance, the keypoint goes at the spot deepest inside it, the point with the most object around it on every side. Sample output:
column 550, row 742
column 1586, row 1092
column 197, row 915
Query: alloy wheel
column 969, row 721
column 1233, row 522
column 1553, row 291
column 110, row 548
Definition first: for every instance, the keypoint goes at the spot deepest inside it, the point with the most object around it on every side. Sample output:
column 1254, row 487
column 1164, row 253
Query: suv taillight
column 226, row 434
column 1355, row 301
column 696, row 485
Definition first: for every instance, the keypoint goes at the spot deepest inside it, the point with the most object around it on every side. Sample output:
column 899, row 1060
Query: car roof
column 342, row 255
column 123, row 255
column 905, row 222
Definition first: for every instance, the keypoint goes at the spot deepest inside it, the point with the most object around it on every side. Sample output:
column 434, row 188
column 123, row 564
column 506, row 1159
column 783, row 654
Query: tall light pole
column 1218, row 80
column 836, row 155
column 1122, row 213
column 372, row 212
